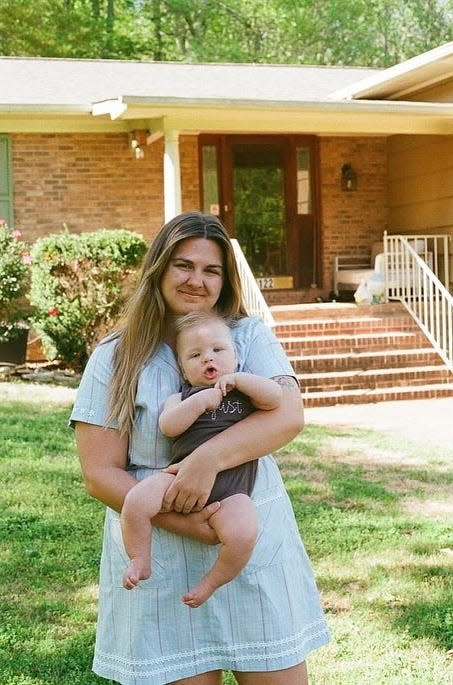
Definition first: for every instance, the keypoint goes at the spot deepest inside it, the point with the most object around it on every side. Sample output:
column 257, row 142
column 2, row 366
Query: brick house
column 300, row 162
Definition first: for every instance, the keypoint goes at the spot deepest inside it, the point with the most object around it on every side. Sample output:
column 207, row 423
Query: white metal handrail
column 417, row 274
column 254, row 301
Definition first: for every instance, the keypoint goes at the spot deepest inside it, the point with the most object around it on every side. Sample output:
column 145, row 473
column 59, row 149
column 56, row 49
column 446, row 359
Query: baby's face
column 206, row 352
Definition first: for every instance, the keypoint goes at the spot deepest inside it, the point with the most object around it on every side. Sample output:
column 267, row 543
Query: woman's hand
column 192, row 485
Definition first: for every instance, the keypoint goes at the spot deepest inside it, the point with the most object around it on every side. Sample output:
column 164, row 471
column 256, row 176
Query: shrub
column 14, row 281
column 79, row 284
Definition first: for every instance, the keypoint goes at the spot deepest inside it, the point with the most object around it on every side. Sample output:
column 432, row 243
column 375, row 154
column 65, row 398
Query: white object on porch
column 350, row 270
column 423, row 291
column 254, row 301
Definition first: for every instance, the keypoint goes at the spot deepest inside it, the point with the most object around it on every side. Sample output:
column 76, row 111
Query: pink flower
column 53, row 311
column 2, row 222
column 26, row 258
column 16, row 234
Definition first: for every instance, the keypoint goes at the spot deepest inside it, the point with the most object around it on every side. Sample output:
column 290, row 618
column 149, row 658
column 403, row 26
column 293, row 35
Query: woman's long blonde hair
column 142, row 327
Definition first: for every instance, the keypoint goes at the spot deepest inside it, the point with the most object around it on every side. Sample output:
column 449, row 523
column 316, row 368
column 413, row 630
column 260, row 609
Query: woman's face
column 193, row 278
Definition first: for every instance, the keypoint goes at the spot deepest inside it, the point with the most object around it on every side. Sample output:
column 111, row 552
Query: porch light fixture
column 135, row 146
column 348, row 178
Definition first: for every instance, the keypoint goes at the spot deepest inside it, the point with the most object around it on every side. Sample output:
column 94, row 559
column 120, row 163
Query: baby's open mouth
column 210, row 372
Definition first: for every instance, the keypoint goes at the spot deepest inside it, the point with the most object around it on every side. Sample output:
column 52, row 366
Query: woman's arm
column 258, row 434
column 103, row 457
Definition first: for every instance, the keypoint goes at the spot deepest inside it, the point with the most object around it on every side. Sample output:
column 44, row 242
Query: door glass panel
column 303, row 180
column 210, row 179
column 259, row 206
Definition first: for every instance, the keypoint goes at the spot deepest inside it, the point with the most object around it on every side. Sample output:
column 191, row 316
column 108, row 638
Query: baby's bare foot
column 200, row 593
column 135, row 572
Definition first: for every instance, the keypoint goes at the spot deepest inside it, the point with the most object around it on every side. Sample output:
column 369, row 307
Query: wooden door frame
column 290, row 143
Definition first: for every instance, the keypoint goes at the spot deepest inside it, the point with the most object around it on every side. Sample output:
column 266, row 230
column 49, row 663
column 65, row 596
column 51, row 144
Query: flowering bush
column 15, row 261
column 78, row 287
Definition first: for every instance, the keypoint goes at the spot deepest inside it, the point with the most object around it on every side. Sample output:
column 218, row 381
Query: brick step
column 373, row 378
column 325, row 399
column 404, row 357
column 323, row 344
column 347, row 326
column 349, row 354
column 335, row 310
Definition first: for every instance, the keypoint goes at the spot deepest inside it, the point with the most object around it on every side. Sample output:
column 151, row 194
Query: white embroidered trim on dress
column 121, row 664
column 84, row 411
column 264, row 500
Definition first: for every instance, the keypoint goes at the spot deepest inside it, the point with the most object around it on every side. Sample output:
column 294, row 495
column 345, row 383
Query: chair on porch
column 353, row 268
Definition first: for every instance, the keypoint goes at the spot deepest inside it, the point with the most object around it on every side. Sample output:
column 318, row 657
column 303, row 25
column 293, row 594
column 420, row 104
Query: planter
column 13, row 350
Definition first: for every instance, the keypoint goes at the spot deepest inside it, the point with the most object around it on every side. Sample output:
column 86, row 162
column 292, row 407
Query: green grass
column 373, row 513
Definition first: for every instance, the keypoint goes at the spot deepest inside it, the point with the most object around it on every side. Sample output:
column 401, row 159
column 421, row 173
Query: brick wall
column 90, row 181
column 86, row 181
column 190, row 184
column 352, row 221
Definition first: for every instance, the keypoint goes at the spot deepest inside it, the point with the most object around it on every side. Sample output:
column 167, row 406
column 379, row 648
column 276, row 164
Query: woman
column 262, row 624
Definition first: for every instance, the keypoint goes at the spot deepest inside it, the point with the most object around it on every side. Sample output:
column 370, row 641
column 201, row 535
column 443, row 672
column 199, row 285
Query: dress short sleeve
column 92, row 401
column 259, row 350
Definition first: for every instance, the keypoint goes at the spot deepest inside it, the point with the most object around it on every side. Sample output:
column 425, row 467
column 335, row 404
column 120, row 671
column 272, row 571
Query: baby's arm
column 178, row 415
column 264, row 393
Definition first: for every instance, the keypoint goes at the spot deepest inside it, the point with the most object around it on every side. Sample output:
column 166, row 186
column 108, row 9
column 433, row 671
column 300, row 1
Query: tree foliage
column 363, row 32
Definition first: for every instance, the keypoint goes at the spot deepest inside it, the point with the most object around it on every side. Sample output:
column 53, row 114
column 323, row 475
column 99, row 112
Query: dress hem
column 168, row 673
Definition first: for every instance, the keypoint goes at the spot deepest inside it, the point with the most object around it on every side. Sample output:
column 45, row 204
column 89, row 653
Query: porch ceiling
column 305, row 117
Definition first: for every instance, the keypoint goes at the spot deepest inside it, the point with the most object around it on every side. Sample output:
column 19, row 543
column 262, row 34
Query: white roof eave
column 412, row 69
column 119, row 107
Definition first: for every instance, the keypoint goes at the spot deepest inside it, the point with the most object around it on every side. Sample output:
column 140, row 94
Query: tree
column 364, row 32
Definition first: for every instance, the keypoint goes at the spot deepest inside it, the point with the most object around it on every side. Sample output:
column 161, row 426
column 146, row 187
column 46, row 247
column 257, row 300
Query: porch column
column 172, row 176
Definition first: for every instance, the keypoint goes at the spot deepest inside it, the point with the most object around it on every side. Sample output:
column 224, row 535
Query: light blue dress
column 268, row 618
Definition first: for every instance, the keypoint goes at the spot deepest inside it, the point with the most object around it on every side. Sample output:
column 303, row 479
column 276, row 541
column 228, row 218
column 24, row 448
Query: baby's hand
column 226, row 383
column 212, row 397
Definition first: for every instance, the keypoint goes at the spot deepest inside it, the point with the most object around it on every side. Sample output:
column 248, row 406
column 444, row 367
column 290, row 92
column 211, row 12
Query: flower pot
column 13, row 350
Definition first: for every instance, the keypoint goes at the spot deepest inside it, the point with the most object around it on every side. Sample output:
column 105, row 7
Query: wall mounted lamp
column 348, row 178
column 135, row 145
column 140, row 138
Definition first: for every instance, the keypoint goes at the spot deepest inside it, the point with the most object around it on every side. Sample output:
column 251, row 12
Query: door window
column 303, row 180
column 210, row 181
column 259, row 206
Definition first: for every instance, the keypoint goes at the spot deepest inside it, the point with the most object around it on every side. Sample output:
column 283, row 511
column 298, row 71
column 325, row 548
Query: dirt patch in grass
column 435, row 509
column 37, row 393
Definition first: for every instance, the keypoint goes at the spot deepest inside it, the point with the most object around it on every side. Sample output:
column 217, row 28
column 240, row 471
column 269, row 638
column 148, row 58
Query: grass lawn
column 374, row 513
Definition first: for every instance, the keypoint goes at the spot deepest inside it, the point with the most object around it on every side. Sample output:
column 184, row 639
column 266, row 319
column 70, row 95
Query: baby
column 213, row 397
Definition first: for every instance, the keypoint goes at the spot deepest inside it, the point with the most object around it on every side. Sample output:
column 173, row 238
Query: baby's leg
column 141, row 503
column 236, row 525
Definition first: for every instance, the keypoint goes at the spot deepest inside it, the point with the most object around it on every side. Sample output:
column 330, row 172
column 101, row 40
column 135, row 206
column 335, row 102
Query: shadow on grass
column 67, row 661
column 350, row 511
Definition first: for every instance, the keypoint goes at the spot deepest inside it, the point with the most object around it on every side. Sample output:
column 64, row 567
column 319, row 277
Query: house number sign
column 274, row 282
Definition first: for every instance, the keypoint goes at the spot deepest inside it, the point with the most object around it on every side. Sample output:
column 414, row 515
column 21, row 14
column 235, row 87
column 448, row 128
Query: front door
column 263, row 188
